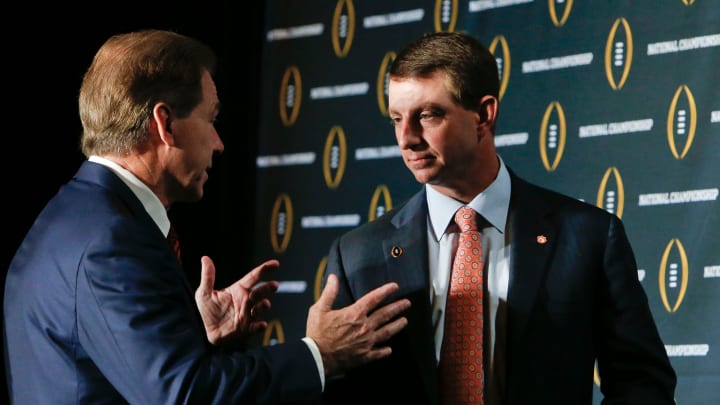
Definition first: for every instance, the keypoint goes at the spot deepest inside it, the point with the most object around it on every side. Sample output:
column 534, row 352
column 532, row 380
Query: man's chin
column 424, row 176
column 191, row 195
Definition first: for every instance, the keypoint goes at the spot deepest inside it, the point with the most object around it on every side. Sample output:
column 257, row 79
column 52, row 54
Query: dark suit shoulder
column 399, row 215
column 527, row 193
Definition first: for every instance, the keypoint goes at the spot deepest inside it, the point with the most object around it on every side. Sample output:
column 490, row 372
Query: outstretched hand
column 233, row 312
column 353, row 335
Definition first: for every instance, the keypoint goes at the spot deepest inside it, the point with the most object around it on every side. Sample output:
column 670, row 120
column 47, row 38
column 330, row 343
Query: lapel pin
column 542, row 239
column 396, row 251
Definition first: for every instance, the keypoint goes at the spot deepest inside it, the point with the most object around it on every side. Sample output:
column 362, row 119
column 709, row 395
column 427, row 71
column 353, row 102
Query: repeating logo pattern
column 502, row 57
column 618, row 54
column 290, row 96
column 274, row 333
column 611, row 193
column 343, row 28
column 559, row 17
column 553, row 135
column 681, row 122
column 382, row 82
column 446, row 15
column 281, row 223
column 334, row 157
column 673, row 276
column 380, row 203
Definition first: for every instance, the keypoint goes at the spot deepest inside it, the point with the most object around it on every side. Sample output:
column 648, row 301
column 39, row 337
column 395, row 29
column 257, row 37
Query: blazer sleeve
column 632, row 361
column 137, row 321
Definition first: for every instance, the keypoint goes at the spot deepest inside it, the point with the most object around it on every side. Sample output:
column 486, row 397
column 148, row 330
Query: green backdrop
column 612, row 102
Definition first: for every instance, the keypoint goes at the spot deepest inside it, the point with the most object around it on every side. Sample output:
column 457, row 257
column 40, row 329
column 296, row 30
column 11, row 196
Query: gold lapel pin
column 542, row 239
column 396, row 251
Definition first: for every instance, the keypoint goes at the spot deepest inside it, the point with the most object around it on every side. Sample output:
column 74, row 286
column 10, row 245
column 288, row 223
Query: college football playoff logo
column 673, row 277
column 274, row 333
column 281, row 223
column 290, row 96
column 502, row 60
column 343, row 27
column 552, row 7
column 681, row 121
column 553, row 132
column 611, row 193
column 446, row 14
column 378, row 208
column 382, row 82
column 618, row 54
column 334, row 157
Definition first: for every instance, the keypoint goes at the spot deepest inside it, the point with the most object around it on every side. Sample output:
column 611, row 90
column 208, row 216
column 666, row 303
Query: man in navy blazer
column 97, row 308
column 561, row 292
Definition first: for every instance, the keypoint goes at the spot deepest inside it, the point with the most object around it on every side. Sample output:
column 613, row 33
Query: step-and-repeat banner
column 616, row 103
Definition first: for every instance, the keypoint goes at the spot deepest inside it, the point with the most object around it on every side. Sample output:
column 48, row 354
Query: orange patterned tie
column 461, row 359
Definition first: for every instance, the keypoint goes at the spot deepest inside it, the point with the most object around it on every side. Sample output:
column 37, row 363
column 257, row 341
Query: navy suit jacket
column 98, row 310
column 570, row 301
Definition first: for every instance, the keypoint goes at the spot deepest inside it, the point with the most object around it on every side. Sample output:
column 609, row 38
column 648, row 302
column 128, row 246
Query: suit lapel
column 405, row 247
column 533, row 238
column 406, row 257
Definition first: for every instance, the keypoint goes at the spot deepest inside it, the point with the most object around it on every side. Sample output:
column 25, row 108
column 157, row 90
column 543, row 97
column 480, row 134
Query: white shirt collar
column 149, row 200
column 492, row 203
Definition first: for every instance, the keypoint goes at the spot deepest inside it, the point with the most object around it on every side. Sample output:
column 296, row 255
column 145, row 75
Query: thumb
column 207, row 276
column 329, row 293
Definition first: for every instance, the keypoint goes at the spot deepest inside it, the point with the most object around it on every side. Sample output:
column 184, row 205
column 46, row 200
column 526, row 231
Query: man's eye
column 428, row 115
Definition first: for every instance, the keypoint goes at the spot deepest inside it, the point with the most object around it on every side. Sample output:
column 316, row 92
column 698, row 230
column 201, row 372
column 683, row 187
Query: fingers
column 370, row 300
column 264, row 290
column 259, row 298
column 390, row 329
column 383, row 334
column 255, row 275
column 259, row 308
column 207, row 276
column 258, row 326
column 387, row 312
column 377, row 354
column 329, row 293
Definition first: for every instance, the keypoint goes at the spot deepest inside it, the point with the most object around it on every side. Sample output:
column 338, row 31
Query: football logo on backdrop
column 681, row 121
column 319, row 275
column 382, row 82
column 281, row 223
column 446, row 14
column 290, row 96
column 334, row 157
column 596, row 375
column 553, row 132
column 503, row 62
column 559, row 22
column 274, row 333
column 618, row 54
column 611, row 193
column 378, row 207
column 673, row 277
column 343, row 27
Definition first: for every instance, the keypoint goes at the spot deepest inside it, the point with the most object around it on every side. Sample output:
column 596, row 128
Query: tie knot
column 466, row 218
